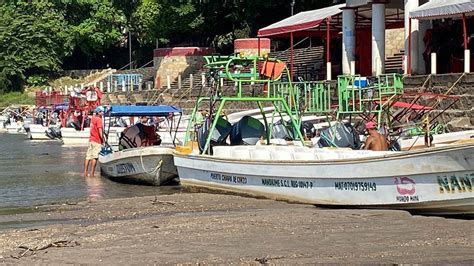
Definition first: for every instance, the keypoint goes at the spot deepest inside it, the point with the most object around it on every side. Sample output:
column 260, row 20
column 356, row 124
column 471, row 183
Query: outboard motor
column 73, row 124
column 219, row 136
column 280, row 131
column 53, row 133
column 307, row 130
column 247, row 131
column 340, row 135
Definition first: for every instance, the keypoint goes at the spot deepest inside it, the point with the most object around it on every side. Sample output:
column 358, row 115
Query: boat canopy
column 436, row 9
column 143, row 110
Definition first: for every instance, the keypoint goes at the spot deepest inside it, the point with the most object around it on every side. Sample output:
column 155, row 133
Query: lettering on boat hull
column 125, row 168
column 269, row 182
column 462, row 183
column 355, row 186
column 229, row 178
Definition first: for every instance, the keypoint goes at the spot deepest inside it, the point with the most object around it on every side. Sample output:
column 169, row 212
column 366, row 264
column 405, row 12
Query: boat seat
column 281, row 155
column 243, row 154
column 304, row 156
column 260, row 154
column 222, row 151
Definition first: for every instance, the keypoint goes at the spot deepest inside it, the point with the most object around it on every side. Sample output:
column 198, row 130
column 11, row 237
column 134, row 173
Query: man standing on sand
column 95, row 141
column 375, row 141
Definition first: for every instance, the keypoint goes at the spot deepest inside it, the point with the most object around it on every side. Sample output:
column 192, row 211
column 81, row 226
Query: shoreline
column 215, row 228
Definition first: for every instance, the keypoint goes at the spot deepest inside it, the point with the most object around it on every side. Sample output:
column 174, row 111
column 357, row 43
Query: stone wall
column 394, row 41
column 459, row 116
column 175, row 61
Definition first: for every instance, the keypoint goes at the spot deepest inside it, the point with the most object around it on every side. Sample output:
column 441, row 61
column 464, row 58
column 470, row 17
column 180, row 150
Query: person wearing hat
column 95, row 142
column 375, row 141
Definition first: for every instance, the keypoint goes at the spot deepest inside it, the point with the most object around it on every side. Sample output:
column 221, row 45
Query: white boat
column 15, row 128
column 438, row 139
column 38, row 132
column 73, row 137
column 151, row 165
column 433, row 180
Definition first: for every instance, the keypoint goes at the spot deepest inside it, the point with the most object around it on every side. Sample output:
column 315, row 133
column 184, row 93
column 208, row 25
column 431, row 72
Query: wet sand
column 211, row 228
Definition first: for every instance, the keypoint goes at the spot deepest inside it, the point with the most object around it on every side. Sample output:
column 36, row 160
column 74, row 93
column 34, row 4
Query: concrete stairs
column 394, row 64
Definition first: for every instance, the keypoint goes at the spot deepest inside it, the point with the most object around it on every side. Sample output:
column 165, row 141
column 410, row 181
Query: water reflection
column 95, row 188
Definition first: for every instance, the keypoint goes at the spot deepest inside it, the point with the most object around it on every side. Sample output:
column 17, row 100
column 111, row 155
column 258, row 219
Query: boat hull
column 436, row 181
column 151, row 165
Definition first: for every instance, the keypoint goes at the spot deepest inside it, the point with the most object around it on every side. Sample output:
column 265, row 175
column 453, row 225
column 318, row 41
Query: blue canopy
column 142, row 110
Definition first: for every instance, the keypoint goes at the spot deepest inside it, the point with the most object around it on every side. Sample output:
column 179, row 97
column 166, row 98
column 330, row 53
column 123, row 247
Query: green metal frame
column 355, row 100
column 244, row 70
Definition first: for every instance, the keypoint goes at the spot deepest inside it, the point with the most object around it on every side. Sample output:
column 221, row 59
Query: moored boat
column 432, row 180
column 137, row 161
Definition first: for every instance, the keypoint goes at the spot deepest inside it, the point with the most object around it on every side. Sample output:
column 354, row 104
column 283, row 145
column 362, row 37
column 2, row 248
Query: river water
column 35, row 173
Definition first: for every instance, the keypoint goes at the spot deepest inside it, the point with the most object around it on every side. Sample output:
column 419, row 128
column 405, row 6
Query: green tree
column 34, row 38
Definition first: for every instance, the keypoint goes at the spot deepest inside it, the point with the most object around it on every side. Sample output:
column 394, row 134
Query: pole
column 328, row 40
column 409, row 47
column 258, row 44
column 129, row 48
column 328, row 49
column 464, row 30
column 292, row 6
column 291, row 56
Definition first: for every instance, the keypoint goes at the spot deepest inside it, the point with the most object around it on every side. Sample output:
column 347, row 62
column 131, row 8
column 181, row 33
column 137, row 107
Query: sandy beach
column 190, row 228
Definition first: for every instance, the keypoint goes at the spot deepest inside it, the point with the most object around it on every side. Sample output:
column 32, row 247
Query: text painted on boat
column 229, row 178
column 269, row 182
column 455, row 183
column 406, row 189
column 355, row 186
column 125, row 168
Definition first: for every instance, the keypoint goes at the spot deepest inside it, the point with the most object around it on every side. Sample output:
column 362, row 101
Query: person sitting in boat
column 139, row 135
column 375, row 141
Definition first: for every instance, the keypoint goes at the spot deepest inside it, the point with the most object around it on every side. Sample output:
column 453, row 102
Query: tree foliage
column 37, row 37
column 33, row 39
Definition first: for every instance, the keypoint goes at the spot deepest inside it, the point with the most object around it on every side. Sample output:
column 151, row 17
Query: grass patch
column 9, row 98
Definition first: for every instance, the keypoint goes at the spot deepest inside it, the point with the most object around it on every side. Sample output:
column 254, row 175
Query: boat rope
column 158, row 166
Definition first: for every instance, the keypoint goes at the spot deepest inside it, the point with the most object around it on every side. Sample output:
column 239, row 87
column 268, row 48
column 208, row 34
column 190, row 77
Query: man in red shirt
column 95, row 141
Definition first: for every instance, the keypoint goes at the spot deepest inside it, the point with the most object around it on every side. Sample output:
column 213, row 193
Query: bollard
column 168, row 82
column 353, row 67
column 467, row 61
column 328, row 71
column 433, row 63
column 203, row 79
column 191, row 80
column 179, row 81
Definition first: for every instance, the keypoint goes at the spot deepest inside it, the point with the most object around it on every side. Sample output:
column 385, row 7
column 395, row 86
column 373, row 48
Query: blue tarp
column 142, row 110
